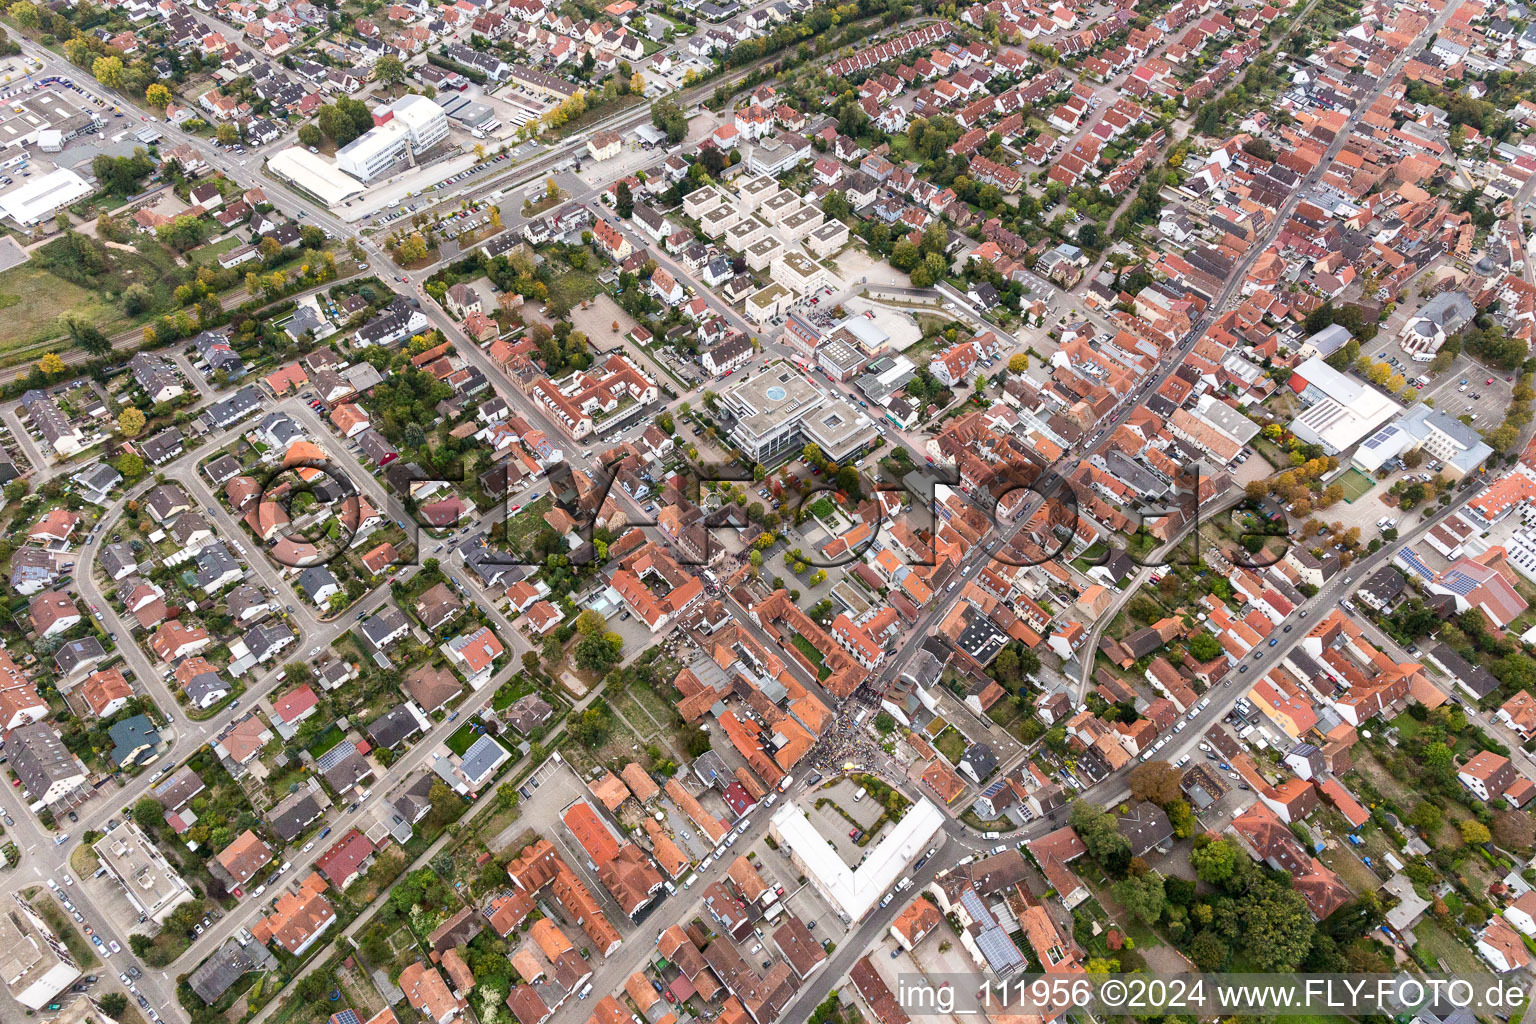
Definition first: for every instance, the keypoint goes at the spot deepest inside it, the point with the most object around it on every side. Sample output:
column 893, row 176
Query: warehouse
column 315, row 175
column 1341, row 411
column 469, row 115
column 40, row 199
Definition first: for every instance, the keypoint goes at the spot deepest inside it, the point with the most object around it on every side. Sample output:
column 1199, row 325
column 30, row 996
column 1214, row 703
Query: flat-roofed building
column 802, row 222
column 153, row 886
column 762, row 306
column 853, row 893
column 757, row 190
column 414, row 124
column 776, row 412
column 827, row 238
column 798, row 272
column 33, row 961
column 763, row 251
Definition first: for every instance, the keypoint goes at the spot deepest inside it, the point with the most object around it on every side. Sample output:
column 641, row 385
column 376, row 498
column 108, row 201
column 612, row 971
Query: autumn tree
column 1157, row 781
column 51, row 364
column 1514, row 830
column 25, row 14
column 108, row 71
column 157, row 96
column 1475, row 832
column 130, row 422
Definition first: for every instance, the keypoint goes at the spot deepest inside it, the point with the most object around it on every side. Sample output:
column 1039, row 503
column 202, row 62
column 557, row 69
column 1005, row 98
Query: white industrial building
column 1341, row 410
column 315, row 175
column 853, row 893
column 39, row 199
column 412, row 125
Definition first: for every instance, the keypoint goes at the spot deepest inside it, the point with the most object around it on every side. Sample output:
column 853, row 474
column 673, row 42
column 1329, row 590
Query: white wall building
column 415, row 125
column 854, row 893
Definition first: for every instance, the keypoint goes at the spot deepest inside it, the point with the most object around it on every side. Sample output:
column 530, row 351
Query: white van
column 858, row 796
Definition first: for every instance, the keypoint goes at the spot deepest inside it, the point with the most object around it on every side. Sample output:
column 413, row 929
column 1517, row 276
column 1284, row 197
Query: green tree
column 1425, row 817
column 1203, row 646
column 1275, row 924
column 1215, row 863
column 624, row 201
column 389, row 69
column 310, row 134
column 113, row 1004
column 1100, row 835
column 131, row 465
column 227, row 134
column 1142, row 896
column 149, row 815
column 668, row 117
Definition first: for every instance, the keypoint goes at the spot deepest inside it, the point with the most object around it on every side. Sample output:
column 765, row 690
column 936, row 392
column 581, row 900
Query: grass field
column 569, row 289
column 1356, row 485
column 951, row 743
column 808, row 649
column 208, row 255
column 33, row 300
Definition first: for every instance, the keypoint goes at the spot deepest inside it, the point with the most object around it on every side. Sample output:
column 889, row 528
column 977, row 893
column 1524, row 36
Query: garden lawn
column 951, row 743
column 808, row 649
column 1438, row 944
column 463, row 737
column 208, row 255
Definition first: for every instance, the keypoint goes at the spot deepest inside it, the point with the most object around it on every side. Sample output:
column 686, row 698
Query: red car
column 1488, row 381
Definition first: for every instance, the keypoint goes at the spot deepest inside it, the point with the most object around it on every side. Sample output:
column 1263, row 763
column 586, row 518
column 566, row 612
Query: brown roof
column 244, row 857
column 432, row 686
column 799, row 946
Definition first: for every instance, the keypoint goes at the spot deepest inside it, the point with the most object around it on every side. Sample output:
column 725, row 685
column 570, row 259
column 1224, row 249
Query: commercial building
column 762, row 306
column 41, row 198
column 1438, row 433
column 153, row 886
column 412, row 125
column 314, row 174
column 853, row 893
column 1341, row 410
column 775, row 413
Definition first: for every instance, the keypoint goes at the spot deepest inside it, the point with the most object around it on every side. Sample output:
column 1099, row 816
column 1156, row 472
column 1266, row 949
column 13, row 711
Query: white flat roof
column 41, row 198
column 315, row 175
column 855, row 892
